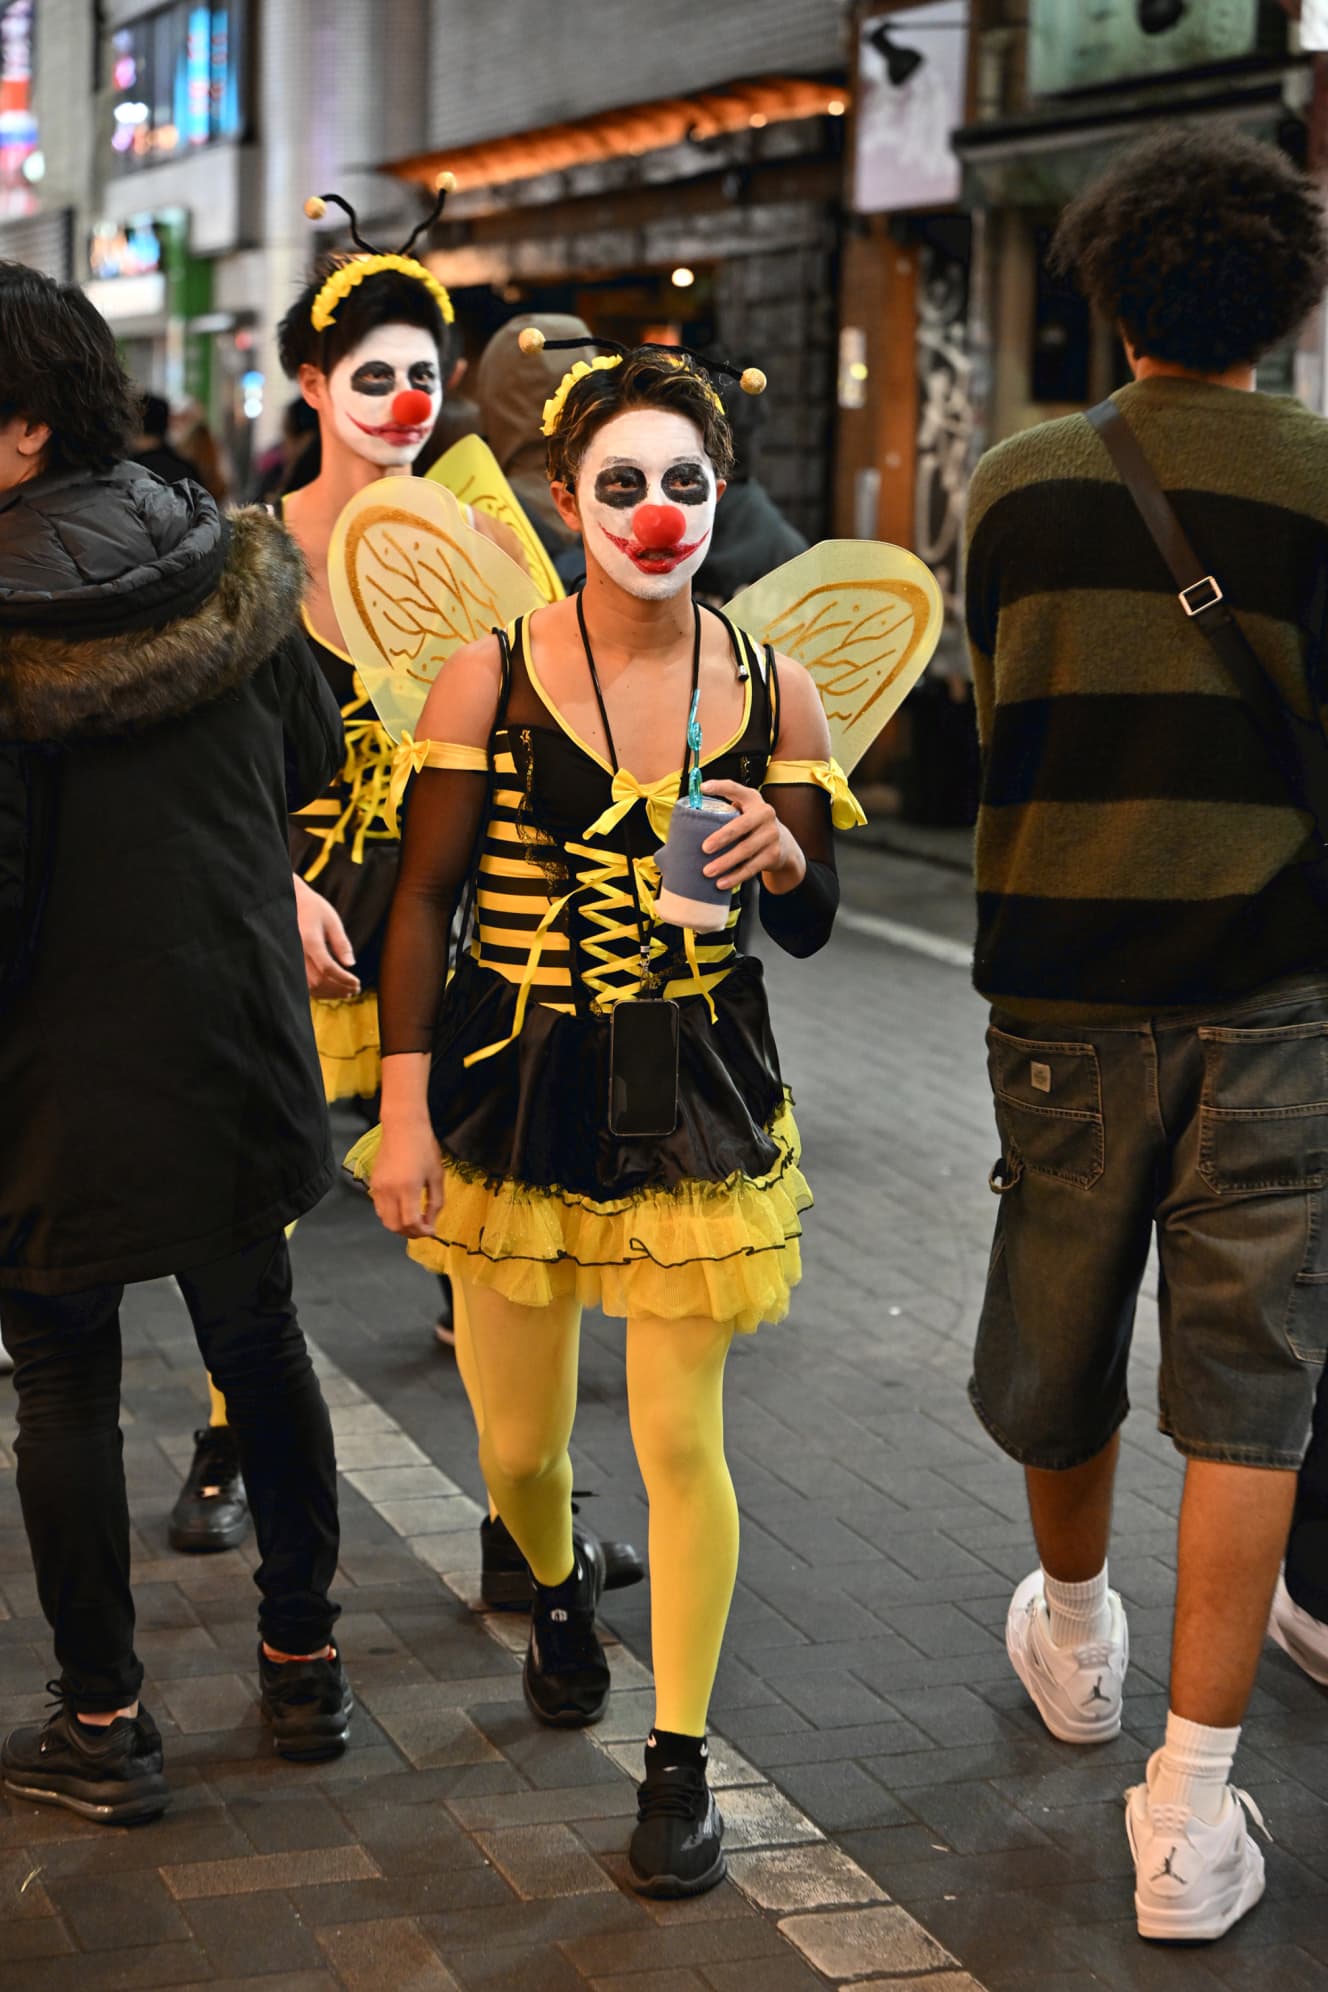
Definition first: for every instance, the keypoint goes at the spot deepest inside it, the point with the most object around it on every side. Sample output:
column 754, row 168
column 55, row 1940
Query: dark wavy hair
column 58, row 365
column 646, row 379
column 387, row 298
column 1206, row 247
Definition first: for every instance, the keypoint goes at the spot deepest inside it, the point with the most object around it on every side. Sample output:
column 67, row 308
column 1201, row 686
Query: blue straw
column 694, row 796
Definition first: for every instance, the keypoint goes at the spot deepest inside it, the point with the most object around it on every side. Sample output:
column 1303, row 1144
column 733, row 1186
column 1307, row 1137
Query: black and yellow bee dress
column 541, row 1200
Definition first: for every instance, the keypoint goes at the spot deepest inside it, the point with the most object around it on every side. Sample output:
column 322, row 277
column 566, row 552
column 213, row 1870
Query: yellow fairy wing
column 864, row 618
column 471, row 471
column 412, row 582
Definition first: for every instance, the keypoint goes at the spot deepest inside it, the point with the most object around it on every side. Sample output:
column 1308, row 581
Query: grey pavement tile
column 196, row 1880
column 786, row 1973
column 165, row 1964
column 206, row 1702
column 118, row 1911
column 269, row 1932
column 613, row 1799
column 295, row 1820
column 395, row 1953
column 787, row 1879
column 44, row 1937
column 432, row 1891
column 839, row 1796
column 516, row 1968
column 678, row 1980
column 692, row 1944
column 549, row 1860
column 433, row 1739
column 850, row 1943
column 973, row 1819
column 22, row 1893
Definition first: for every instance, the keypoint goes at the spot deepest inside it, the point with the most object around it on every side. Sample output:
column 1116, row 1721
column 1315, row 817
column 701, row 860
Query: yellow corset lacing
column 364, row 809
column 605, row 872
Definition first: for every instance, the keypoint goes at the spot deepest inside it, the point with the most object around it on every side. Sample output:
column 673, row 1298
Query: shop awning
column 627, row 132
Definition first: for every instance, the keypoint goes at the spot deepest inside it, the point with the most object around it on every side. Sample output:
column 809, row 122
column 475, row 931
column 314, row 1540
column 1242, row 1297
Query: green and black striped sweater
column 1136, row 846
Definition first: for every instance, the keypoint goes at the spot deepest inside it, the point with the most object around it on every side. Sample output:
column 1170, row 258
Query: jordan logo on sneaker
column 1097, row 1694
column 1167, row 1872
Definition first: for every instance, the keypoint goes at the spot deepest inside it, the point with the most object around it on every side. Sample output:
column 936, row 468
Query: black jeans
column 70, row 1461
column 1307, row 1546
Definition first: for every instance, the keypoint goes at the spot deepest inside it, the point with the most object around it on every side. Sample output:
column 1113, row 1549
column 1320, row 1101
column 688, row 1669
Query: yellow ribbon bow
column 659, row 798
column 409, row 758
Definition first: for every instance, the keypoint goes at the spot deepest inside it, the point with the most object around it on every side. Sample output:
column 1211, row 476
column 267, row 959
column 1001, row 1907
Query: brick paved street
column 897, row 1814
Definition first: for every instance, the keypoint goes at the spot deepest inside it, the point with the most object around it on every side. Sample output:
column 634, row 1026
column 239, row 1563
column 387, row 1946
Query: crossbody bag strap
column 1298, row 747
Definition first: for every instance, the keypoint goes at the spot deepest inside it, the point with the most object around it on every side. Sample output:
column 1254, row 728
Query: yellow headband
column 344, row 279
column 553, row 407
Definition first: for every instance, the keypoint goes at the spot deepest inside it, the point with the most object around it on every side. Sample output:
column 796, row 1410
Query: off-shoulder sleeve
column 846, row 811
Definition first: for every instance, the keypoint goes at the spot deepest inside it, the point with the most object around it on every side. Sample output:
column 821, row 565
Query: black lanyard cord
column 643, row 936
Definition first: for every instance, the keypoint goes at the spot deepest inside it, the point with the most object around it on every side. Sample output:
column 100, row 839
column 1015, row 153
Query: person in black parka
column 161, row 1108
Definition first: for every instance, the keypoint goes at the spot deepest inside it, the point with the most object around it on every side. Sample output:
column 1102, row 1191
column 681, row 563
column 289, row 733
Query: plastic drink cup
column 688, row 897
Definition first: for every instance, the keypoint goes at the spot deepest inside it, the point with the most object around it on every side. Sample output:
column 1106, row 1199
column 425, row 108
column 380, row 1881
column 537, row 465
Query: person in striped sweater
column 1155, row 951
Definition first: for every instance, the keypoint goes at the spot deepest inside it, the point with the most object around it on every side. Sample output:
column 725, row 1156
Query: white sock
column 1192, row 1767
column 1079, row 1612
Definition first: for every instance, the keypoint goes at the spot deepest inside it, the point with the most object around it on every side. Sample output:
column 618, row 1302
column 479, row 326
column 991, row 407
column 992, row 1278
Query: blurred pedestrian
column 1153, row 938
column 159, row 713
column 198, row 446
column 293, row 460
column 751, row 537
column 511, row 388
column 153, row 447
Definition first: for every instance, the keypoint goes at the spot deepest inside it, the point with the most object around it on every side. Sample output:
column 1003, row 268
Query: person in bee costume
column 592, row 1113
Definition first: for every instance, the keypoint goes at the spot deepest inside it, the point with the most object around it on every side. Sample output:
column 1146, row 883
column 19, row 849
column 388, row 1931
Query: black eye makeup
column 686, row 483
column 373, row 377
column 424, row 374
column 621, row 485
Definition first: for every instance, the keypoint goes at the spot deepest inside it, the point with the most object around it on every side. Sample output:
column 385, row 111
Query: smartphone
column 643, row 1067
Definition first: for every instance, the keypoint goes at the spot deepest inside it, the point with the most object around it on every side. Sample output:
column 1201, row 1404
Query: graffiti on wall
column 947, row 421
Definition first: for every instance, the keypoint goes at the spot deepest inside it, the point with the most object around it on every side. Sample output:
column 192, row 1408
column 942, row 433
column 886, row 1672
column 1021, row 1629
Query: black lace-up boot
column 566, row 1676
column 212, row 1511
column 108, row 1772
column 677, row 1846
column 308, row 1706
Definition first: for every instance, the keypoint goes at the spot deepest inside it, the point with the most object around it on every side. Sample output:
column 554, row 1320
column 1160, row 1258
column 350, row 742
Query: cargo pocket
column 1307, row 1313
column 1048, row 1107
column 1263, row 1111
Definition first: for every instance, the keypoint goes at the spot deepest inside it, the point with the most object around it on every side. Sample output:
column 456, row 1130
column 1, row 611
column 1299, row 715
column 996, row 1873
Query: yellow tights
column 519, row 1366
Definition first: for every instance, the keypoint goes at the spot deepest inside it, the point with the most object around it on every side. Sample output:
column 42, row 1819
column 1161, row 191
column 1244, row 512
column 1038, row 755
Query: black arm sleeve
column 311, row 722
column 445, row 814
column 800, row 921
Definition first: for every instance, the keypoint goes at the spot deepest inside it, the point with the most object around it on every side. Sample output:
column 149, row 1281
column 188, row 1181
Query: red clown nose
column 411, row 408
column 658, row 526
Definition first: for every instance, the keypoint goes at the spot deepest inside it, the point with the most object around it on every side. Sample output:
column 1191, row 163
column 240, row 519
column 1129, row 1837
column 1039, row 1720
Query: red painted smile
column 393, row 432
column 656, row 559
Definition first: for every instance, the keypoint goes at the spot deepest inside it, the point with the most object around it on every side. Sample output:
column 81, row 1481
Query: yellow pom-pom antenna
column 752, row 381
column 445, row 183
column 531, row 339
column 315, row 207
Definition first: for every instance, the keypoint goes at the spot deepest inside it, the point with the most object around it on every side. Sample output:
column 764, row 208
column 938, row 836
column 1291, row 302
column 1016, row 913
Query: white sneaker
column 1192, row 1881
column 1076, row 1689
column 1300, row 1634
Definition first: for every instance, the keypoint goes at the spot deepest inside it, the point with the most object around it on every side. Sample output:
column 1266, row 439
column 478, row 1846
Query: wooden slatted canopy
column 626, row 132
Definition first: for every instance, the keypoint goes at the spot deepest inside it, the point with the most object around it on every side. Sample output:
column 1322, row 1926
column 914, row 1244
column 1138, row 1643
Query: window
column 177, row 81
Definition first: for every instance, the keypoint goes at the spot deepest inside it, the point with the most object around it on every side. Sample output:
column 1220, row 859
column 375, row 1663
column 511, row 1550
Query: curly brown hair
column 646, row 379
column 1206, row 247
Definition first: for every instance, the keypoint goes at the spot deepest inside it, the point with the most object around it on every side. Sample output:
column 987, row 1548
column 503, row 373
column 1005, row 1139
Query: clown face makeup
column 384, row 395
column 647, row 493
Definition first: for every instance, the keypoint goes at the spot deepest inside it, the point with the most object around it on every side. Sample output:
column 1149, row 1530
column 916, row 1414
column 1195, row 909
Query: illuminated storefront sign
column 128, row 249
column 18, row 124
column 910, row 96
column 176, row 81
column 1074, row 46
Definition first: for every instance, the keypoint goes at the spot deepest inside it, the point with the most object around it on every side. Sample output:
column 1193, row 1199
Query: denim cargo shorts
column 1210, row 1128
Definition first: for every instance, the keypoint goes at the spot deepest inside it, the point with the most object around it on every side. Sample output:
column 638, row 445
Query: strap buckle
column 1208, row 601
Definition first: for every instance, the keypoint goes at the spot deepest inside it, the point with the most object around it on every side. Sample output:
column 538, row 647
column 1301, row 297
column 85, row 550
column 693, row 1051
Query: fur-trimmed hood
column 125, row 602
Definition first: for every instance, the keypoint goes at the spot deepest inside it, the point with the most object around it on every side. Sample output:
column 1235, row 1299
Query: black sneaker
column 677, row 1846
column 505, row 1580
column 566, row 1677
column 308, row 1706
column 112, row 1774
column 212, row 1511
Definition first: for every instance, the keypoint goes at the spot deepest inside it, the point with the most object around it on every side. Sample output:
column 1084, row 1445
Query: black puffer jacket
column 160, row 1098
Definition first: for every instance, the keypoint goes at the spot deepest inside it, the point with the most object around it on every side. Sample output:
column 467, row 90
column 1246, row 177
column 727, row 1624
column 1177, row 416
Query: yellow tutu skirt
column 723, row 1251
column 346, row 1035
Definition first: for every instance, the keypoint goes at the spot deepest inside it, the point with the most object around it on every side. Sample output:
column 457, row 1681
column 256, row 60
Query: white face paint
column 363, row 388
column 647, row 495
